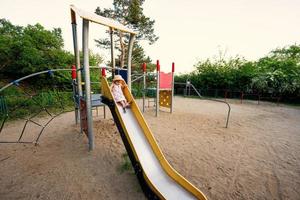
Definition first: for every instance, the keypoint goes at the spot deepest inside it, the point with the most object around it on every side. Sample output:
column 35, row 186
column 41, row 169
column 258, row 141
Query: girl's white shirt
column 118, row 93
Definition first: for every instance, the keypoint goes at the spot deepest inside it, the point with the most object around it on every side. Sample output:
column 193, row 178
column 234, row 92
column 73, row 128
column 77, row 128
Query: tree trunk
column 122, row 45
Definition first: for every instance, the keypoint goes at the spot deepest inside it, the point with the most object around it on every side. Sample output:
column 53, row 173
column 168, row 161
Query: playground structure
column 164, row 89
column 6, row 111
column 155, row 174
column 224, row 165
column 157, row 178
column 85, row 96
column 188, row 86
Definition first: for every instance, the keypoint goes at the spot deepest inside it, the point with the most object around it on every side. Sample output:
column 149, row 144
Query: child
column 116, row 89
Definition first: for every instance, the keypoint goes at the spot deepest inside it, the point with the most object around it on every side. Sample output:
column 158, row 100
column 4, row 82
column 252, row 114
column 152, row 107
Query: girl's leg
column 127, row 105
column 123, row 104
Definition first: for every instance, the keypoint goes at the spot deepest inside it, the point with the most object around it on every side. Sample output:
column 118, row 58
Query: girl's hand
column 123, row 85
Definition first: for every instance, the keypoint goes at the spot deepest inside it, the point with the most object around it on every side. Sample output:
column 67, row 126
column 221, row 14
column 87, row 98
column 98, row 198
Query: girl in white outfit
column 116, row 89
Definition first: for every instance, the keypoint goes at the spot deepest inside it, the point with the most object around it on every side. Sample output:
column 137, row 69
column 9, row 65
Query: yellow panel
column 165, row 99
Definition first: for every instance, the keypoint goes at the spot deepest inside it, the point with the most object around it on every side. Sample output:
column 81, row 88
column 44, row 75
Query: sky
column 189, row 30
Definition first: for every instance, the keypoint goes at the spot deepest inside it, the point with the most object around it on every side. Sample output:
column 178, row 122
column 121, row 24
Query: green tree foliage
column 130, row 14
column 25, row 50
column 30, row 49
column 235, row 74
column 94, row 58
column 279, row 72
column 276, row 74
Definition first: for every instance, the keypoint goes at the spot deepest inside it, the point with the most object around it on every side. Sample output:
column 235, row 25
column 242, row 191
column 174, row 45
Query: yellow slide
column 156, row 176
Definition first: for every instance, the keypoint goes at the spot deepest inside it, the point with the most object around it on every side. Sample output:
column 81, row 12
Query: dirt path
column 257, row 157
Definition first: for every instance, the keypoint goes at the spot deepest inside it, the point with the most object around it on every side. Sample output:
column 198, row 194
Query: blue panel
column 123, row 73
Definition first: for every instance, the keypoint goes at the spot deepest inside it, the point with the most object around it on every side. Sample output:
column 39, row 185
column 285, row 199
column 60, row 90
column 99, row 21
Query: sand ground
column 256, row 157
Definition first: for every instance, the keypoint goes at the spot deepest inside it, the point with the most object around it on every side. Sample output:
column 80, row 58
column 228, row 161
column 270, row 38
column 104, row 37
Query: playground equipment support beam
column 76, row 53
column 172, row 92
column 130, row 47
column 191, row 85
column 188, row 84
column 229, row 109
column 144, row 89
column 31, row 75
column 112, row 47
column 108, row 68
column 157, row 88
column 85, row 50
column 77, row 61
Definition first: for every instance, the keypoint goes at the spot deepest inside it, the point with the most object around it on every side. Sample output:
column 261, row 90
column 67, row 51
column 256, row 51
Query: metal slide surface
column 160, row 176
column 150, row 164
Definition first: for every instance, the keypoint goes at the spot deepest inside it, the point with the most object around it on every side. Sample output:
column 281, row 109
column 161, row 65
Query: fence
column 235, row 94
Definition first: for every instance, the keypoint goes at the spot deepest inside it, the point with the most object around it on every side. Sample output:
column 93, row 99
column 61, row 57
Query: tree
column 25, row 50
column 275, row 75
column 129, row 13
column 9, row 38
column 279, row 72
column 94, row 58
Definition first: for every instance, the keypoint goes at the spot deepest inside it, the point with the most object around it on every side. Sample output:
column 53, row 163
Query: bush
column 277, row 74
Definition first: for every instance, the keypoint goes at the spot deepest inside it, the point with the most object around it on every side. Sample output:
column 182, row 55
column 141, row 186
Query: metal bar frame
column 85, row 50
column 32, row 116
column 157, row 88
column 129, row 56
column 77, row 61
column 112, row 54
column 138, row 78
column 188, row 84
column 31, row 75
column 144, row 90
column 172, row 92
column 103, row 67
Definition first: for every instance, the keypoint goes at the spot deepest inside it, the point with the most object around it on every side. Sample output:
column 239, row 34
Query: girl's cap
column 118, row 78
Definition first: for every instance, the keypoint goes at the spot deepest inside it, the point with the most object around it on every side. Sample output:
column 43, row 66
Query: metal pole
column 85, row 50
column 104, row 67
column 144, row 81
column 186, row 88
column 157, row 87
column 75, row 94
column 172, row 92
column 77, row 56
column 103, row 73
column 77, row 61
column 130, row 47
column 191, row 85
column 31, row 75
column 112, row 47
column 229, row 108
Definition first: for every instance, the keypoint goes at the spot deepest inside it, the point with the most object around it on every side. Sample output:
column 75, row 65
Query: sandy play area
column 257, row 157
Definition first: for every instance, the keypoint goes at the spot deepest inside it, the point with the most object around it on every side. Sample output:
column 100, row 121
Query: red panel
column 73, row 72
column 165, row 80
column 103, row 72
column 144, row 67
column 173, row 67
column 157, row 66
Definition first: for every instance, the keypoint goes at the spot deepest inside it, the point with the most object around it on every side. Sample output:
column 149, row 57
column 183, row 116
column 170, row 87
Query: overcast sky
column 189, row 30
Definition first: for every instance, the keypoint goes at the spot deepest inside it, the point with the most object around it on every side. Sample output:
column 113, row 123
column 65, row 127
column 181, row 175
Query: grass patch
column 20, row 105
column 126, row 164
